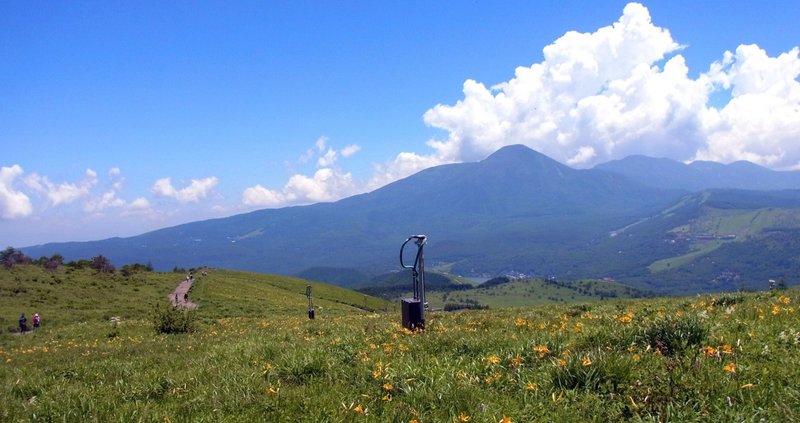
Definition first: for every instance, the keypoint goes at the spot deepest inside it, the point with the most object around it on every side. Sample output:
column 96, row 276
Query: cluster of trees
column 468, row 304
column 11, row 257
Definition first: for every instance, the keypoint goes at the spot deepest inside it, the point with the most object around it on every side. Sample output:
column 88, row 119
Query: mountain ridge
column 515, row 210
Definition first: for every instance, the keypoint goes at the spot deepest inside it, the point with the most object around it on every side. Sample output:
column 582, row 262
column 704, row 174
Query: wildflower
column 636, row 357
column 561, row 362
column 776, row 310
column 413, row 421
column 359, row 410
column 273, row 391
column 710, row 351
column 388, row 387
column 730, row 368
column 506, row 419
column 515, row 362
column 625, row 319
column 586, row 362
column 531, row 386
column 520, row 322
column 727, row 349
column 387, row 397
column 542, row 350
column 463, row 417
column 784, row 299
column 493, row 359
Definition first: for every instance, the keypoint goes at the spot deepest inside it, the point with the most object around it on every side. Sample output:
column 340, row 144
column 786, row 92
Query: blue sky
column 121, row 117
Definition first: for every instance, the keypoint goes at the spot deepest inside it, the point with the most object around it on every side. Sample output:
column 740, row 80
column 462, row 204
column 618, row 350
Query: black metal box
column 412, row 313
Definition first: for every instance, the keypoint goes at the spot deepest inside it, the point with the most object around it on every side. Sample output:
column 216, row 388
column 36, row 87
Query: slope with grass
column 72, row 296
column 729, row 357
column 533, row 292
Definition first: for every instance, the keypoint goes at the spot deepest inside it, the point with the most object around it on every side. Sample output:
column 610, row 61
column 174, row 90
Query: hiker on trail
column 35, row 321
column 176, row 298
column 23, row 323
column 186, row 297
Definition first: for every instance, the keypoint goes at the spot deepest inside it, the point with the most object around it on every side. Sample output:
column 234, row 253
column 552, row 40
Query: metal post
column 413, row 309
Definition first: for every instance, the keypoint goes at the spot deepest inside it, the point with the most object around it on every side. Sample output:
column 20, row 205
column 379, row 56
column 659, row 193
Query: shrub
column 603, row 373
column 672, row 335
column 173, row 319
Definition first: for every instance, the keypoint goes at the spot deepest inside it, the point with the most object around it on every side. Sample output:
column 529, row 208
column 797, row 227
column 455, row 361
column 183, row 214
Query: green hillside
column 729, row 357
column 532, row 292
column 741, row 224
column 67, row 297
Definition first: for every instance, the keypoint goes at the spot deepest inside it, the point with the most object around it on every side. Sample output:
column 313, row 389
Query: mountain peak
column 518, row 154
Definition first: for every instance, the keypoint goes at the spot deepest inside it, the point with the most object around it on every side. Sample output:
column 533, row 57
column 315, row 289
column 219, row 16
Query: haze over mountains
column 517, row 210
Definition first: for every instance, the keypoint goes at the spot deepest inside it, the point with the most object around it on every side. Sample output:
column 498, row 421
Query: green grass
column 533, row 292
column 254, row 357
column 744, row 224
column 676, row 262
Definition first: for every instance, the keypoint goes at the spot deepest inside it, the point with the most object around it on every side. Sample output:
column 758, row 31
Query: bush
column 672, row 335
column 604, row 374
column 173, row 319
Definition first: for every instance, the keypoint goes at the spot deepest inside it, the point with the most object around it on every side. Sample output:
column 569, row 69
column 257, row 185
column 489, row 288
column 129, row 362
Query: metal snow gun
column 414, row 308
column 310, row 303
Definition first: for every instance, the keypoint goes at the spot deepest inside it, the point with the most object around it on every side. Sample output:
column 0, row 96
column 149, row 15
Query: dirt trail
column 181, row 291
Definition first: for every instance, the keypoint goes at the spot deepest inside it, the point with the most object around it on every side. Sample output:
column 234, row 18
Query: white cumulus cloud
column 13, row 203
column 65, row 192
column 623, row 89
column 328, row 183
column 761, row 122
column 325, row 185
column 197, row 190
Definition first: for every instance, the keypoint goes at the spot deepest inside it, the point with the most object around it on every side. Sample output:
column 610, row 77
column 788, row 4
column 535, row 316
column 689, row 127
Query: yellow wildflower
column 542, row 350
column 586, row 362
column 493, row 359
column 358, row 410
column 561, row 362
column 776, row 310
column 388, row 387
column 531, row 386
column 273, row 391
column 506, row 419
column 710, row 351
column 636, row 357
column 463, row 417
column 727, row 349
column 730, row 368
column 784, row 299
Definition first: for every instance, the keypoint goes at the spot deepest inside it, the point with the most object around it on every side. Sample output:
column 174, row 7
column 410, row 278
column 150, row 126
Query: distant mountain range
column 701, row 175
column 516, row 211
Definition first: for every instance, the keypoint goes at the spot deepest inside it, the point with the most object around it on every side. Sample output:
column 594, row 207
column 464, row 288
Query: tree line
column 11, row 257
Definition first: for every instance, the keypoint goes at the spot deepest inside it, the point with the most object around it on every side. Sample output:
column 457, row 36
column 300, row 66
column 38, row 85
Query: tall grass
column 681, row 359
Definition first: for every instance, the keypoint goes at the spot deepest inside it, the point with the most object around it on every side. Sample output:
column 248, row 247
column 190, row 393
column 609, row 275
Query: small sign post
column 310, row 303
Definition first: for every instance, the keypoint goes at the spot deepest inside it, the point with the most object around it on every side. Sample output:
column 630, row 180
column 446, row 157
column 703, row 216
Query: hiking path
column 177, row 296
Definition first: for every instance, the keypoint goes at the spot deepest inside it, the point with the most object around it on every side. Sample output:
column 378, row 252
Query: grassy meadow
column 255, row 356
